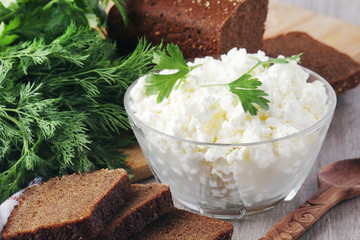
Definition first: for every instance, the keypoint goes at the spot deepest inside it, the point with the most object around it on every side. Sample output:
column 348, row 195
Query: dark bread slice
column 183, row 225
column 340, row 70
column 146, row 204
column 199, row 28
column 74, row 206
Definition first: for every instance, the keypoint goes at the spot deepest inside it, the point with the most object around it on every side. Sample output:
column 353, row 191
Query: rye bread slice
column 146, row 204
column 339, row 69
column 74, row 206
column 183, row 225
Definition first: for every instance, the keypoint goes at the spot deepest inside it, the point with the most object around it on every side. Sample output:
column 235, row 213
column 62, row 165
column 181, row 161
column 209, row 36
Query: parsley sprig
column 245, row 87
column 163, row 84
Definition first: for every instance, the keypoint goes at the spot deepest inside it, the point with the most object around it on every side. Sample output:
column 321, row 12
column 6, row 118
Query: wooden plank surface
column 137, row 161
column 342, row 142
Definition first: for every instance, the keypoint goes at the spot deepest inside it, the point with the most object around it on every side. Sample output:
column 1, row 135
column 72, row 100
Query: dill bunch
column 61, row 105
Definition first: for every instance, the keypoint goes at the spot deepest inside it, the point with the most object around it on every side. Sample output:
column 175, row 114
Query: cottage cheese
column 251, row 174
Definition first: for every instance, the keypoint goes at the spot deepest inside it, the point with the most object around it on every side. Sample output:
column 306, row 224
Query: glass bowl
column 245, row 188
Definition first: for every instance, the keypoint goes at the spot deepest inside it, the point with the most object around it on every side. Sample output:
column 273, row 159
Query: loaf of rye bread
column 198, row 27
column 146, row 204
column 340, row 70
column 76, row 206
column 183, row 225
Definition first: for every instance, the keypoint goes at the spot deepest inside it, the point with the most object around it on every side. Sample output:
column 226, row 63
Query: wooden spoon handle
column 297, row 222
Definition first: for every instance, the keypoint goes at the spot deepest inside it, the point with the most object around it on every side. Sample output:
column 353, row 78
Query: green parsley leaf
column 5, row 37
column 163, row 84
column 245, row 88
column 174, row 61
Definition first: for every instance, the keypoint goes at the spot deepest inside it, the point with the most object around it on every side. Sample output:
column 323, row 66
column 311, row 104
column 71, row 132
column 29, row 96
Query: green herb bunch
column 22, row 20
column 61, row 102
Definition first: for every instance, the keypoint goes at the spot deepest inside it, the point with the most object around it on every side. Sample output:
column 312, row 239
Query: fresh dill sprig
column 61, row 106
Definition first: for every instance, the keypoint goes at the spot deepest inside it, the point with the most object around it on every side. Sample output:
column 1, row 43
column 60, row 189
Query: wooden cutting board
column 283, row 18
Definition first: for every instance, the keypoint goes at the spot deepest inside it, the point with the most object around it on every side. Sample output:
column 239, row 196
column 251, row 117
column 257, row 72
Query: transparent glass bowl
column 243, row 187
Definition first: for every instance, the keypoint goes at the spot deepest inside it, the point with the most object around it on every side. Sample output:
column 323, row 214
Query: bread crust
column 147, row 203
column 183, row 225
column 84, row 227
column 199, row 28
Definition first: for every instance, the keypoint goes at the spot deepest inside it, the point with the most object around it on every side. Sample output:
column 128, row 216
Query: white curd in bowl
column 220, row 160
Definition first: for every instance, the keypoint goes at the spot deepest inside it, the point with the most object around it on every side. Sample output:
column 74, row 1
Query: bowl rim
column 332, row 101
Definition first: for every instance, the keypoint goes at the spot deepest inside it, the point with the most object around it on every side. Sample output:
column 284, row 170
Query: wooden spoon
column 337, row 182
